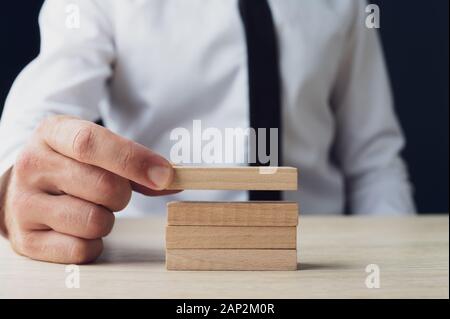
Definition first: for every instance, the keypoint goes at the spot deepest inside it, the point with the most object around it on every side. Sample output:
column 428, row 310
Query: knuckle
column 83, row 143
column 99, row 222
column 106, row 184
column 123, row 196
column 27, row 162
column 115, row 190
column 66, row 216
column 121, row 201
column 22, row 243
column 79, row 252
column 23, row 203
column 126, row 155
column 83, row 251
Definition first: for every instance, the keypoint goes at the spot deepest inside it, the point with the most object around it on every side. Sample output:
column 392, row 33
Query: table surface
column 412, row 254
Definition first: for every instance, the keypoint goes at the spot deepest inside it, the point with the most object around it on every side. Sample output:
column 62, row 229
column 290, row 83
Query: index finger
column 93, row 144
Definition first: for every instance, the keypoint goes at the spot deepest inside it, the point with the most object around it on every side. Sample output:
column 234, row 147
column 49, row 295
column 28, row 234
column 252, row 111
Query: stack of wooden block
column 252, row 235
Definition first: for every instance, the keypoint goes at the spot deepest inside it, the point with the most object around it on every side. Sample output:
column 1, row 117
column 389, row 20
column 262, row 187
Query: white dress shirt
column 148, row 66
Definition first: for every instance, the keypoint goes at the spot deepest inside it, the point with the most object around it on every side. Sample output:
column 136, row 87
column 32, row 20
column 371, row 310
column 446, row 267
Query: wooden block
column 231, row 259
column 234, row 178
column 210, row 237
column 254, row 213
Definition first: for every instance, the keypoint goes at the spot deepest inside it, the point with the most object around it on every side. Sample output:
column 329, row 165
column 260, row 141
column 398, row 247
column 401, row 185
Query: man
column 148, row 67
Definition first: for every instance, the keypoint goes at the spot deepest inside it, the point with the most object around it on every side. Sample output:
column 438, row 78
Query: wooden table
column 412, row 255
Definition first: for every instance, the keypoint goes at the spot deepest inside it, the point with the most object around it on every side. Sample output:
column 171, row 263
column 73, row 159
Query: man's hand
column 66, row 184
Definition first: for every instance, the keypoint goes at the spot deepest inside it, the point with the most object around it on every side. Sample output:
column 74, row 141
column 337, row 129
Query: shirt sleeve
column 69, row 76
column 368, row 136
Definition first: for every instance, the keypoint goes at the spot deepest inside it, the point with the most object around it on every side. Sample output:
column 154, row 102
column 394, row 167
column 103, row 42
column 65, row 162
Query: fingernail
column 160, row 176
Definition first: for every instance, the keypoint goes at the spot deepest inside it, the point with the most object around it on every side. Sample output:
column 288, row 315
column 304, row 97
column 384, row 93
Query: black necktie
column 263, row 77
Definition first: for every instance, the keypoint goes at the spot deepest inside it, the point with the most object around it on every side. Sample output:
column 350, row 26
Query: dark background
column 415, row 38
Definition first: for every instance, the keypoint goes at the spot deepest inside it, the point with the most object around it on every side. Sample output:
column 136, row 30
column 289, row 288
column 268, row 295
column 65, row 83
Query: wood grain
column 254, row 213
column 234, row 178
column 231, row 259
column 208, row 237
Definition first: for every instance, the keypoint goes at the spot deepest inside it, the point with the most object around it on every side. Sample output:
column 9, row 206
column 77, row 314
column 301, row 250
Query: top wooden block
column 234, row 178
